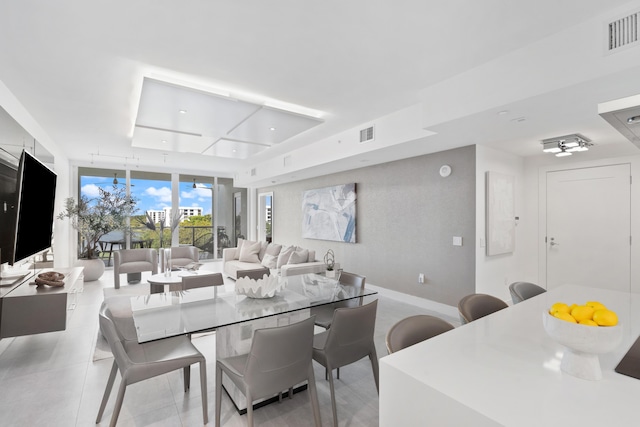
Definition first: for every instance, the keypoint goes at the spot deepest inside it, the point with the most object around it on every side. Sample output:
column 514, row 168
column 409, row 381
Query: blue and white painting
column 330, row 213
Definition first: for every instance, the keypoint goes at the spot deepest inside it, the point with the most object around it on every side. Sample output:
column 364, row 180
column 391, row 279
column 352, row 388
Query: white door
column 589, row 227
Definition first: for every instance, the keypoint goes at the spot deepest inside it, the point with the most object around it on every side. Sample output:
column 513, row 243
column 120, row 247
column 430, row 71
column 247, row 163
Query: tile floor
column 52, row 379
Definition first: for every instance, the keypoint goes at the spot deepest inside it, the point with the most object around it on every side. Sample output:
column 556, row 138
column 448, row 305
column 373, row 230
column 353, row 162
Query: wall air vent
column 623, row 32
column 253, row 172
column 366, row 135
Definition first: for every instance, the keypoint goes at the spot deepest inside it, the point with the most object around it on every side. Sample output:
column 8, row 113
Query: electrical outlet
column 421, row 278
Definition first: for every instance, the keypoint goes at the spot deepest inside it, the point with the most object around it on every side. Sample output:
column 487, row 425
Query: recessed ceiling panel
column 170, row 141
column 234, row 149
column 272, row 126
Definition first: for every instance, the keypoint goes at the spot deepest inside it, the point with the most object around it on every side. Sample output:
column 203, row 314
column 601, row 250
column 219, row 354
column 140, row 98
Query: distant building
column 187, row 212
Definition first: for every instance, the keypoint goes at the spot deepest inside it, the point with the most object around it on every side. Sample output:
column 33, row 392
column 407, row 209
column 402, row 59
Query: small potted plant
column 330, row 263
column 93, row 218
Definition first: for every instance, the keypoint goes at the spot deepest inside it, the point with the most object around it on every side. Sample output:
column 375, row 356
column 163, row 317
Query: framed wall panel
column 500, row 213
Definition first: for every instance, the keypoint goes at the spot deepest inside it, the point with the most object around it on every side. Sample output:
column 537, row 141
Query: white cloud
column 162, row 194
column 90, row 190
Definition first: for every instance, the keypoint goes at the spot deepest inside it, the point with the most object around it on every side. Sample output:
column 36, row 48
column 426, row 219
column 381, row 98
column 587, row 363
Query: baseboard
column 438, row 307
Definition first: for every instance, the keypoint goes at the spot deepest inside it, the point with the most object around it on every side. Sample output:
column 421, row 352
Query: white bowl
column 583, row 344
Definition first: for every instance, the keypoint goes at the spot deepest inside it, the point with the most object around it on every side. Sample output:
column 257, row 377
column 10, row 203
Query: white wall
column 495, row 273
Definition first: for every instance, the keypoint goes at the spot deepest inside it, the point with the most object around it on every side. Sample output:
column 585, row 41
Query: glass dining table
column 234, row 316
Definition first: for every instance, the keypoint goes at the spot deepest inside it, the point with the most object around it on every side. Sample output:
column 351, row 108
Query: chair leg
column 338, row 373
column 118, row 406
column 333, row 399
column 290, row 392
column 187, row 377
column 249, row 409
column 218, row 393
column 373, row 356
column 313, row 394
column 203, row 391
column 107, row 391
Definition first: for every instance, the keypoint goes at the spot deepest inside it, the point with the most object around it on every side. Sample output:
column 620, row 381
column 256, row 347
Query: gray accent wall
column 407, row 216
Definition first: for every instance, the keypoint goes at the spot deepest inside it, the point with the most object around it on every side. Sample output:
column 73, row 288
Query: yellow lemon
column 605, row 317
column 582, row 312
column 588, row 322
column 559, row 306
column 596, row 305
column 563, row 315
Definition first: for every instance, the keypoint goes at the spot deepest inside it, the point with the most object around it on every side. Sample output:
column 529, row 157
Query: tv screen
column 8, row 197
column 36, row 197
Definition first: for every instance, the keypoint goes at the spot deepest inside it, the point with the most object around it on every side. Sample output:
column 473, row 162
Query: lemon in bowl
column 583, row 342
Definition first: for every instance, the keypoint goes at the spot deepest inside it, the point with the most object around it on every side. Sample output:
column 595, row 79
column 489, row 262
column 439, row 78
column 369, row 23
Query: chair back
column 185, row 252
column 279, row 357
column 351, row 279
column 415, row 329
column 521, row 291
column 350, row 336
column 113, row 337
column 132, row 255
column 475, row 306
column 255, row 274
column 202, row 280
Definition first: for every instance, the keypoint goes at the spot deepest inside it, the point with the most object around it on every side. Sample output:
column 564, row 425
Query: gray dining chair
column 255, row 273
column 324, row 313
column 279, row 358
column 475, row 306
column 414, row 329
column 202, row 280
column 521, row 291
column 137, row 362
column 349, row 339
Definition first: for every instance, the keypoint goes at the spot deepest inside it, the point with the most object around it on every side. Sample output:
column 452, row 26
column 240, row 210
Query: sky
column 152, row 195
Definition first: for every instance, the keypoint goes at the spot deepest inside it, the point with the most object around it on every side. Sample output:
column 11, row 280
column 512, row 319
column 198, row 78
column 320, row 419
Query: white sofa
column 288, row 260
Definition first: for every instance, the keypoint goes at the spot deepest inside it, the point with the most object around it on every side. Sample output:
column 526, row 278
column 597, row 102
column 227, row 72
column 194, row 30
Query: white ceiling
column 78, row 68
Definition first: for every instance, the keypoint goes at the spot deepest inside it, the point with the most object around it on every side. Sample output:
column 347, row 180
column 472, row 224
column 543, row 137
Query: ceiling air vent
column 253, row 172
column 623, row 32
column 366, row 135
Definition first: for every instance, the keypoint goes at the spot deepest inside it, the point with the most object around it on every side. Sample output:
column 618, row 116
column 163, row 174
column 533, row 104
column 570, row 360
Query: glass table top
column 164, row 315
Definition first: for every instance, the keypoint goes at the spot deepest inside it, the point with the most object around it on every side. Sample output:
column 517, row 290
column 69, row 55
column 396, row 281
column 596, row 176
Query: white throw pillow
column 250, row 251
column 263, row 249
column 285, row 254
column 270, row 261
column 274, row 249
column 238, row 249
column 299, row 256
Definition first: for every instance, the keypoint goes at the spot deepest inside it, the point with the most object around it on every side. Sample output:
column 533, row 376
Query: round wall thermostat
column 445, row 171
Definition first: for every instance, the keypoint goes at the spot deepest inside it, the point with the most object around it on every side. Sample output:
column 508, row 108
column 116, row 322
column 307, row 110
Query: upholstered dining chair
column 475, row 306
column 137, row 362
column 202, row 280
column 414, row 329
column 521, row 291
column 255, row 273
column 180, row 256
column 349, row 339
column 279, row 359
column 324, row 313
column 134, row 261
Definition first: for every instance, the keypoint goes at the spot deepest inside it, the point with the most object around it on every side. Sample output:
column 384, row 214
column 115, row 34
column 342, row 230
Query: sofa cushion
column 270, row 261
column 285, row 254
column 299, row 256
column 250, row 251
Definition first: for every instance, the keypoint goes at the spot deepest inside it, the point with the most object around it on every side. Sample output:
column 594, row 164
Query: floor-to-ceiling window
column 196, row 205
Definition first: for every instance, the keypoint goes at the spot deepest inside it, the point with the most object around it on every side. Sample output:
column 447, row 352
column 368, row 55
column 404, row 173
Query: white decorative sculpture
column 261, row 288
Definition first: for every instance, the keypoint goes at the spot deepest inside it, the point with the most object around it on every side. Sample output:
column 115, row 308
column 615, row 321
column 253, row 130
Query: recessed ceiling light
column 272, row 128
column 235, row 151
column 519, row 119
column 503, row 112
column 183, row 111
column 164, row 141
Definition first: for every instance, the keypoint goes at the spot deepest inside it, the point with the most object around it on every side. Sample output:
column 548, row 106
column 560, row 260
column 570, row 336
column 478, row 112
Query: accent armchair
column 134, row 261
column 180, row 256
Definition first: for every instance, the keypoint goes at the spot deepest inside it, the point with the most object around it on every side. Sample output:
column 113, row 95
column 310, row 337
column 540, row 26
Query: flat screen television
column 8, row 197
column 35, row 207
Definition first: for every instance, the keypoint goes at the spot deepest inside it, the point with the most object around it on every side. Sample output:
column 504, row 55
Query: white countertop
column 505, row 370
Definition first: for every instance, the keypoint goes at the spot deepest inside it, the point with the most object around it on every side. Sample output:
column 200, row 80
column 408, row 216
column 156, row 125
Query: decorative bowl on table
column 582, row 345
column 261, row 288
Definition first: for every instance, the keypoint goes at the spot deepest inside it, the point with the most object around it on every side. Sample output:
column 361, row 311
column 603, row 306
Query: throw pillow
column 299, row 256
column 249, row 252
column 263, row 249
column 285, row 254
column 274, row 249
column 238, row 248
column 270, row 261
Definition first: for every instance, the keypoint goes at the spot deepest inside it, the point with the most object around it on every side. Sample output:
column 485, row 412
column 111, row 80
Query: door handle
column 552, row 243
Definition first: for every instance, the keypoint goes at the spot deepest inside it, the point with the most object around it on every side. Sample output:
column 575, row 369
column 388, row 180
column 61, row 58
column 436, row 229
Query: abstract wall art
column 329, row 213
